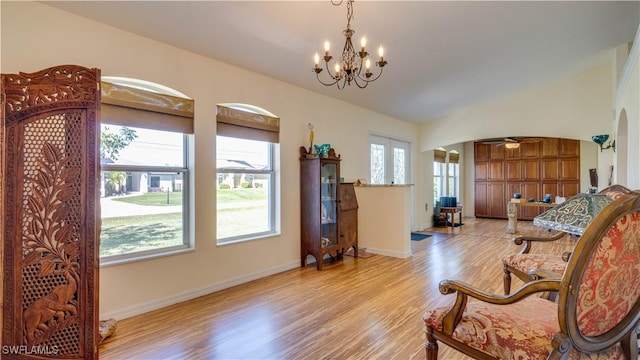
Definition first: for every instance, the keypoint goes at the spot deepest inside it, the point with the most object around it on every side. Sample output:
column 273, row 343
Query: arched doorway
column 622, row 151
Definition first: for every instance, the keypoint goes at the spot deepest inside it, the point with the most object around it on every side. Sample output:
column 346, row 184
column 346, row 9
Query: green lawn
column 122, row 235
column 153, row 199
column 175, row 198
column 242, row 220
column 234, row 195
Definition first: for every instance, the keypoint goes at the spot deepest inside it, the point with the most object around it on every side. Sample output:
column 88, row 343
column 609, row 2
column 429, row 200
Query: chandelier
column 349, row 67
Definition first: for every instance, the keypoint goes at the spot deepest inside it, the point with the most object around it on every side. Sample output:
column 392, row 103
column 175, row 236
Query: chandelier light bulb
column 351, row 66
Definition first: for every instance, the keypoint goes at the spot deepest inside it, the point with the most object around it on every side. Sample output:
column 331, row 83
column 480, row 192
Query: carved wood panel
column 50, row 249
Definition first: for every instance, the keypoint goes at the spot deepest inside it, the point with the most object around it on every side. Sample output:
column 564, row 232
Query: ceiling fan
column 512, row 141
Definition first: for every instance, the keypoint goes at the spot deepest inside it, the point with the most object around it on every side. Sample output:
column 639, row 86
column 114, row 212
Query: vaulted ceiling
column 443, row 56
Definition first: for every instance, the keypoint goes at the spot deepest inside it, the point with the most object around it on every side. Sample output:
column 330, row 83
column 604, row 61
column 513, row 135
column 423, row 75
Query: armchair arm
column 464, row 290
column 528, row 240
column 537, row 274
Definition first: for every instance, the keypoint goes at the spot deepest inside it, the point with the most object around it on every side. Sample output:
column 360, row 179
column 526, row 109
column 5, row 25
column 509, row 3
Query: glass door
column 328, row 197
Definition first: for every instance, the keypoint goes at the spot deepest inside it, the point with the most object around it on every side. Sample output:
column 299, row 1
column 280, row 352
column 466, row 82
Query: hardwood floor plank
column 355, row 309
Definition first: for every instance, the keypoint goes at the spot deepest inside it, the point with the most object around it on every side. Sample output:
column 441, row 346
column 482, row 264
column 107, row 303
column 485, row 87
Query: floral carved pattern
column 51, row 196
column 50, row 244
column 28, row 92
column 605, row 295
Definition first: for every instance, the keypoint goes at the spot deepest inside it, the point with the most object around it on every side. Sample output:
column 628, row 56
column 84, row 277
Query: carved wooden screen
column 50, row 195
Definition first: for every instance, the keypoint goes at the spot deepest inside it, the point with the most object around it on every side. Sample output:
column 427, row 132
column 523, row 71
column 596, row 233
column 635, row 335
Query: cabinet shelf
column 325, row 230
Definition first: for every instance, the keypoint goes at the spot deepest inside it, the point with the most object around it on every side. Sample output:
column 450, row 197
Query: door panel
column 497, row 200
column 530, row 190
column 531, row 170
column 496, row 171
column 514, row 170
column 482, row 171
column 569, row 169
column 549, row 170
column 481, row 195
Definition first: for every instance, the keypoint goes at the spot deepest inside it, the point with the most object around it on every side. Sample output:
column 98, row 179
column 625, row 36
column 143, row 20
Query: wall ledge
column 383, row 185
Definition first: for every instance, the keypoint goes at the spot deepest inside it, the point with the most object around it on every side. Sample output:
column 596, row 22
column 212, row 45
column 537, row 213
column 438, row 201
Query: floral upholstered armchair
column 596, row 315
column 530, row 266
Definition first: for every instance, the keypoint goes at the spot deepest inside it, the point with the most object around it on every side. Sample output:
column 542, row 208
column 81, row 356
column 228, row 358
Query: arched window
column 246, row 148
column 144, row 174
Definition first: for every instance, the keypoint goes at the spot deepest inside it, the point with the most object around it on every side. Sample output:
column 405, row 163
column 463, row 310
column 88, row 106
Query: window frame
column 272, row 196
column 390, row 144
column 439, row 179
column 187, row 243
column 453, row 179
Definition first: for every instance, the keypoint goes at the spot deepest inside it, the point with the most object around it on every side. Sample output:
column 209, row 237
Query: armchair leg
column 431, row 345
column 506, row 280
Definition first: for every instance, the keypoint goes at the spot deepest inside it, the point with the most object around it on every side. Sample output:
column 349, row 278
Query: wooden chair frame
column 534, row 274
column 569, row 337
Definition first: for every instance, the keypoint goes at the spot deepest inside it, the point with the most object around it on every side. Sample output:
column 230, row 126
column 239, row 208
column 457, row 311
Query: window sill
column 247, row 239
column 142, row 256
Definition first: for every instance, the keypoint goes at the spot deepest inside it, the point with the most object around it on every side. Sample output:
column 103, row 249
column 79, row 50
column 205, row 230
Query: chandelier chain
column 349, row 68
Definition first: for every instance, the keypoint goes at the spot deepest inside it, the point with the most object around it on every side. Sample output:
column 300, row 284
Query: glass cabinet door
column 329, row 210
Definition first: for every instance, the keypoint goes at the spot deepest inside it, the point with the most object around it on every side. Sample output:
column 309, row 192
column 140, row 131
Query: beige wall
column 36, row 36
column 628, row 108
column 384, row 219
column 574, row 107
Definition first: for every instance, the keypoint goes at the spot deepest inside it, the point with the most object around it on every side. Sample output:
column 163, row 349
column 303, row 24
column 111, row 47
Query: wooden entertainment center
column 533, row 169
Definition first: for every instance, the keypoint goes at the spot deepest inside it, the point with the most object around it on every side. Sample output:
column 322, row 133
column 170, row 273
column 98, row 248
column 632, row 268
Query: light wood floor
column 355, row 309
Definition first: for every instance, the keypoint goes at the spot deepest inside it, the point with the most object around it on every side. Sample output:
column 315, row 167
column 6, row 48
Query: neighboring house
column 236, row 178
column 137, row 182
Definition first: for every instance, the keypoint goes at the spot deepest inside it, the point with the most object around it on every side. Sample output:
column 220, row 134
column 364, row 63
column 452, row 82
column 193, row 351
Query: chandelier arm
column 332, row 76
column 361, row 86
column 344, row 83
column 349, row 68
column 329, row 83
column 374, row 79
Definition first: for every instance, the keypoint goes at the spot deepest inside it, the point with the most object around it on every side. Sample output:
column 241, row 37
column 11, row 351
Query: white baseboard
column 192, row 294
column 422, row 227
column 384, row 252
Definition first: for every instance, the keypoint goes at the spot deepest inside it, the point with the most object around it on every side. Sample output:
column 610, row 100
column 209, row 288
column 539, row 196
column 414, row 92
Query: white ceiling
column 443, row 56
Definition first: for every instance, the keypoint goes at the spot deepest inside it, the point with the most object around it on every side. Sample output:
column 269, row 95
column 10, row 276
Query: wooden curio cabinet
column 320, row 211
column 348, row 216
